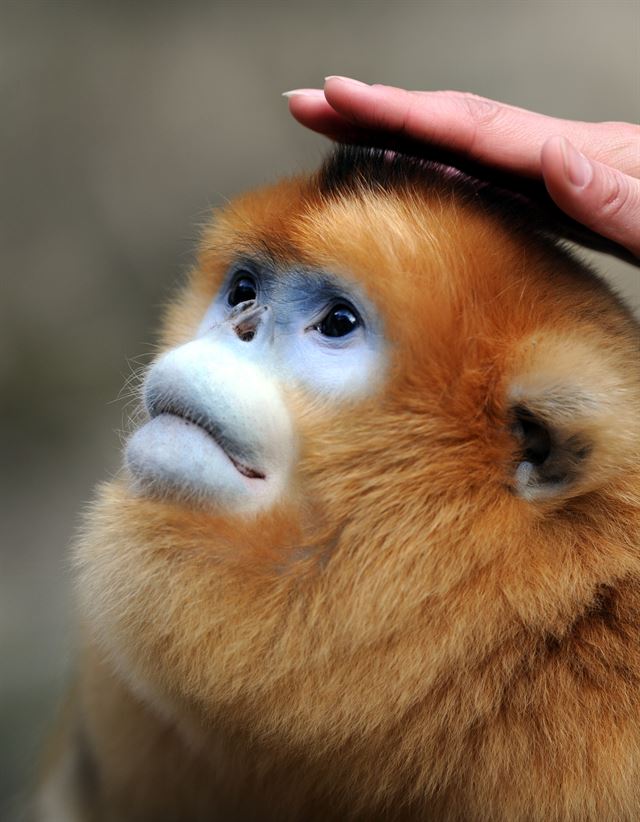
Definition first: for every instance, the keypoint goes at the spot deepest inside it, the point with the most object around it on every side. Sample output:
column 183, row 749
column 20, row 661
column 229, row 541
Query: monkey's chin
column 172, row 458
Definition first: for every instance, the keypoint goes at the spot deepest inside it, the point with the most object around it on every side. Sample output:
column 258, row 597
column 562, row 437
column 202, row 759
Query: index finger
column 492, row 133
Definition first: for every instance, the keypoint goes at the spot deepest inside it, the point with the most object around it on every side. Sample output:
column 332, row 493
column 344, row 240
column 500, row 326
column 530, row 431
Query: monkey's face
column 221, row 432
column 385, row 433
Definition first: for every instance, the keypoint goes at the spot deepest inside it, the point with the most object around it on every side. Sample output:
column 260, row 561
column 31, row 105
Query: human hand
column 591, row 170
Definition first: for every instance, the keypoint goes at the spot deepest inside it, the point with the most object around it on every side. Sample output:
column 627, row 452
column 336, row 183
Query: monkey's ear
column 574, row 413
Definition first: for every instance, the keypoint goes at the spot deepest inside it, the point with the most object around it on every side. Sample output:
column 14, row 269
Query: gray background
column 121, row 124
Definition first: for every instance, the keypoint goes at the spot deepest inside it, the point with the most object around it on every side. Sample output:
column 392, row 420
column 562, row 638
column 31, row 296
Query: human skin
column 591, row 170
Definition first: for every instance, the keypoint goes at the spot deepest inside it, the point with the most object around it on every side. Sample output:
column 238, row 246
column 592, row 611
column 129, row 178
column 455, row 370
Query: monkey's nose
column 248, row 319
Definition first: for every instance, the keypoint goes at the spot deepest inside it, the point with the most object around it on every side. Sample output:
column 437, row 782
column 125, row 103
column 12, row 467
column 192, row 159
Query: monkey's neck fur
column 267, row 725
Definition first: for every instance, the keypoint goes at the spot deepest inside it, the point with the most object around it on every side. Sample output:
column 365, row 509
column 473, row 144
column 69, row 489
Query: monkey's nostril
column 246, row 322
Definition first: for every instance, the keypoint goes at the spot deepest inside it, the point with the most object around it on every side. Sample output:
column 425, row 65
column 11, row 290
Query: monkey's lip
column 209, row 427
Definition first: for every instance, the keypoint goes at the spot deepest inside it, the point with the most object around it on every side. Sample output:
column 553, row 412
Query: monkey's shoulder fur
column 435, row 611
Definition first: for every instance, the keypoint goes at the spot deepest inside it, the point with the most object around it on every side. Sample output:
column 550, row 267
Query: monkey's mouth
column 207, row 425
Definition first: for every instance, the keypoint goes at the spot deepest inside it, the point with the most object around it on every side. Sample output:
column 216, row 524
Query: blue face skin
column 325, row 334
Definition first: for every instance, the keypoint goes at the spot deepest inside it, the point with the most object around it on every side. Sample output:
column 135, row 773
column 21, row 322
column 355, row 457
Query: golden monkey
column 374, row 553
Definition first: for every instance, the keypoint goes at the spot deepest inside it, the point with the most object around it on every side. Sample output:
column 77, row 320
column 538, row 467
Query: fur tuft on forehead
column 523, row 204
column 356, row 170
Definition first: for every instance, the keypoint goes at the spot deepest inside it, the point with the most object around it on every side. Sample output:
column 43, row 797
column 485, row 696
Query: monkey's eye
column 244, row 288
column 339, row 321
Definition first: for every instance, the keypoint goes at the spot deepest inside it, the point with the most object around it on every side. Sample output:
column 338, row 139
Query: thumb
column 598, row 196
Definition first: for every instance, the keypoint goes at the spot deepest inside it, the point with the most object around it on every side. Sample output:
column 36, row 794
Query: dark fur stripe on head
column 350, row 169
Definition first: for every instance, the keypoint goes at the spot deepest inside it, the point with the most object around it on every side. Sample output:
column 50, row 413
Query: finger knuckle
column 616, row 198
column 482, row 111
column 485, row 117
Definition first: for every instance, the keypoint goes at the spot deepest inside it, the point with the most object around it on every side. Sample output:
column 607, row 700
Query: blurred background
column 121, row 125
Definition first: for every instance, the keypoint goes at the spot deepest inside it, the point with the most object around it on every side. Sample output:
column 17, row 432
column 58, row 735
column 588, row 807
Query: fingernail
column 304, row 92
column 349, row 80
column 576, row 166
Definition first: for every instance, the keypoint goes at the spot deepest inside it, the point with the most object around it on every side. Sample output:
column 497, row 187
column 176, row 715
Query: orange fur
column 402, row 636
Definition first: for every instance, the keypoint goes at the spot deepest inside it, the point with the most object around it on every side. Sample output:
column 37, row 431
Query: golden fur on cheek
column 405, row 634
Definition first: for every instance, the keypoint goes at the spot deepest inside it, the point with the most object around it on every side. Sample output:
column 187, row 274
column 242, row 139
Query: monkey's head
column 390, row 452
